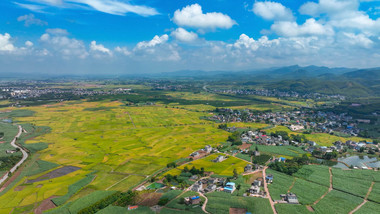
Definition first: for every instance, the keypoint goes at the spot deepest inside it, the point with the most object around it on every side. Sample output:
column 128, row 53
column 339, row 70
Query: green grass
column 369, row 208
column 73, row 189
column 291, row 209
column 308, row 192
column 281, row 184
column 220, row 202
column 315, row 173
column 338, row 202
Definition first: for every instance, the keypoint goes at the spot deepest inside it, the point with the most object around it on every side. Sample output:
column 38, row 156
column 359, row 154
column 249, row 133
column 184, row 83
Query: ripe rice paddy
column 122, row 144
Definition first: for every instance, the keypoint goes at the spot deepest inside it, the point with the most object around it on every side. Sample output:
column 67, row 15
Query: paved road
column 24, row 156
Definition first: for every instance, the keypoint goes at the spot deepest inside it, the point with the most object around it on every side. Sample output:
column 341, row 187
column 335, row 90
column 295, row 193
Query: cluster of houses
column 256, row 189
column 315, row 121
column 278, row 93
column 202, row 152
column 341, row 147
column 213, row 184
column 25, row 92
column 262, row 139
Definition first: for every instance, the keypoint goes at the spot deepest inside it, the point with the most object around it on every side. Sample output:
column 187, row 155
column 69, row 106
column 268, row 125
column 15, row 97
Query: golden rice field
column 225, row 167
column 123, row 144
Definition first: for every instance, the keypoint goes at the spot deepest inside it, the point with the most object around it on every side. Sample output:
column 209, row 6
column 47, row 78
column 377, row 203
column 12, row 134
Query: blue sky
column 130, row 36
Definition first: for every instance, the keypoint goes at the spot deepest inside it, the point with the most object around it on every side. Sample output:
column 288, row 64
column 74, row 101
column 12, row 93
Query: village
column 299, row 120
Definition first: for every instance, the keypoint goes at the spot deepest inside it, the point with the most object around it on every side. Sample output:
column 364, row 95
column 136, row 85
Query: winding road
column 24, row 155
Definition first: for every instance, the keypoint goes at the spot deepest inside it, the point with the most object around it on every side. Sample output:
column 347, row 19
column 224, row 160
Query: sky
column 152, row 36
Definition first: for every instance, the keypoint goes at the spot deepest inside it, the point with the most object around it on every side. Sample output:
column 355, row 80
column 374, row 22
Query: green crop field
column 291, row 208
column 315, row 173
column 308, row 192
column 369, row 208
column 375, row 193
column 285, row 151
column 220, row 202
column 338, row 202
column 353, row 181
column 281, row 184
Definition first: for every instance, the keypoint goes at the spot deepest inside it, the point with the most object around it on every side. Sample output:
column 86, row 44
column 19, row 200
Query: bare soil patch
column 149, row 199
column 245, row 146
column 310, row 208
column 55, row 174
column 46, row 204
column 19, row 188
column 1, row 142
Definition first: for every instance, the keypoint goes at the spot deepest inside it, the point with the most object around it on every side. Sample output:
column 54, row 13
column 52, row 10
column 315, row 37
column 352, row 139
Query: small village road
column 365, row 199
column 267, row 191
column 205, row 203
column 24, row 156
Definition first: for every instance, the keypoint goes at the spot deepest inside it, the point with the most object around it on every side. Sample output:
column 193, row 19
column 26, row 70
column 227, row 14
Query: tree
column 235, row 174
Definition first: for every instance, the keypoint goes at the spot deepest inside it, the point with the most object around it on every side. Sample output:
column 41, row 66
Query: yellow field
column 322, row 139
column 118, row 141
column 225, row 167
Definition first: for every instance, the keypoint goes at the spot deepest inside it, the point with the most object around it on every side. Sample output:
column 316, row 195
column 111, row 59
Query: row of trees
column 118, row 199
column 290, row 166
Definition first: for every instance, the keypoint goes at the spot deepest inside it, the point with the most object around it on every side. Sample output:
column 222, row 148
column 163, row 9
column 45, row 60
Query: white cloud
column 99, row 48
column 57, row 31
column 5, row 43
column 272, row 11
column 184, row 35
column 30, row 19
column 32, row 7
column 193, row 16
column 342, row 14
column 358, row 40
column 29, row 44
column 115, row 7
column 64, row 46
column 309, row 28
column 123, row 50
column 157, row 40
column 330, row 7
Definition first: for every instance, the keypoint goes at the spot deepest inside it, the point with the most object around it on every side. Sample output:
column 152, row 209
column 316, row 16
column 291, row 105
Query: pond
column 358, row 161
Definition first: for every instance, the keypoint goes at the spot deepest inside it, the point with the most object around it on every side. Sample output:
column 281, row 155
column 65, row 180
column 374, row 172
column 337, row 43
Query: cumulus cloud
column 309, row 28
column 6, row 43
column 98, row 48
column 29, row 44
column 157, row 40
column 358, row 40
column 30, row 19
column 342, row 14
column 184, row 35
column 272, row 11
column 64, row 46
column 122, row 50
column 193, row 16
column 115, row 7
